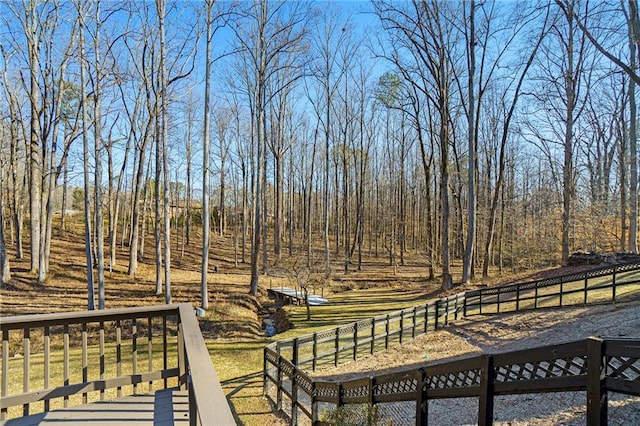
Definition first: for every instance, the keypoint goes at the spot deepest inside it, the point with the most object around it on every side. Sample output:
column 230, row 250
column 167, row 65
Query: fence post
column 294, row 356
column 372, row 384
column 339, row 403
column 294, row 397
column 435, row 324
column 518, row 298
column 586, row 288
column 337, row 346
column 597, row 400
column 264, row 372
column 426, row 318
column 422, row 403
column 485, row 403
column 373, row 334
column 315, row 352
column 386, row 333
column 561, row 289
column 314, row 404
column 355, row 341
column 401, row 324
column 279, row 384
column 480, row 301
column 535, row 297
column 614, row 283
column 413, row 329
column 464, row 304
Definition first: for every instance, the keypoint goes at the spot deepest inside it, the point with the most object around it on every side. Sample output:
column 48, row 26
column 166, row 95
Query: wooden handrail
column 204, row 387
column 78, row 317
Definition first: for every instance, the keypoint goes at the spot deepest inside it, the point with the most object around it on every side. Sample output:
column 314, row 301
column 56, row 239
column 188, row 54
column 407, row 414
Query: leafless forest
column 500, row 134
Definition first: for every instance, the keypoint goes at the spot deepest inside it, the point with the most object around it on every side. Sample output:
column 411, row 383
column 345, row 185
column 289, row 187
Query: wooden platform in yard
column 163, row 408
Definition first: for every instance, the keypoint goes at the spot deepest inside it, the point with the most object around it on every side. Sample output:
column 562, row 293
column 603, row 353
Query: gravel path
column 503, row 333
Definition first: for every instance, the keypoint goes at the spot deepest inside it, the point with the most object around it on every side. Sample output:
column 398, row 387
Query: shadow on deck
column 163, row 408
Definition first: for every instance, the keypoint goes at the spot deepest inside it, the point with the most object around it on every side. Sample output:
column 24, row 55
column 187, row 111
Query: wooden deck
column 163, row 408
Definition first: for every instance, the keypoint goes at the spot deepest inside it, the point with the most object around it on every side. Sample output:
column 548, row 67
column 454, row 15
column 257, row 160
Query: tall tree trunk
column 97, row 139
column 5, row 269
column 634, row 40
column 206, row 232
column 35, row 148
column 87, row 185
column 161, row 4
column 471, row 111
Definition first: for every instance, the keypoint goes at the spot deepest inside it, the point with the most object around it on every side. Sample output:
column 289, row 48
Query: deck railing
column 286, row 362
column 74, row 358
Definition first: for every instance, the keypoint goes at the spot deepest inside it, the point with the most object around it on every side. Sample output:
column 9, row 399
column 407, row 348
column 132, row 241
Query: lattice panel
column 571, row 366
column 324, row 334
column 400, row 386
column 325, row 392
column 305, row 383
column 271, row 357
column 347, row 329
column 286, row 369
column 460, row 379
column 355, row 392
column 363, row 325
column 623, row 367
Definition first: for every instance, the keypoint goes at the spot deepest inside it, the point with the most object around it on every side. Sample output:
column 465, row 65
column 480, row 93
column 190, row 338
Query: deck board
column 162, row 408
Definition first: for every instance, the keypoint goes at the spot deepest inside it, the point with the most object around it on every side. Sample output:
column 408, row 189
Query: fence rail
column 532, row 371
column 87, row 356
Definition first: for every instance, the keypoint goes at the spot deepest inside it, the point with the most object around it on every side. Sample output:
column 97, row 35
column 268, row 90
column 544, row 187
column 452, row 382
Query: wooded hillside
column 499, row 134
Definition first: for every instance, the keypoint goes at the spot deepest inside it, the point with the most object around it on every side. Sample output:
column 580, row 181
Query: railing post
column 485, row 403
column 193, row 405
column 26, row 346
column 422, row 403
column 182, row 367
column 597, row 401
